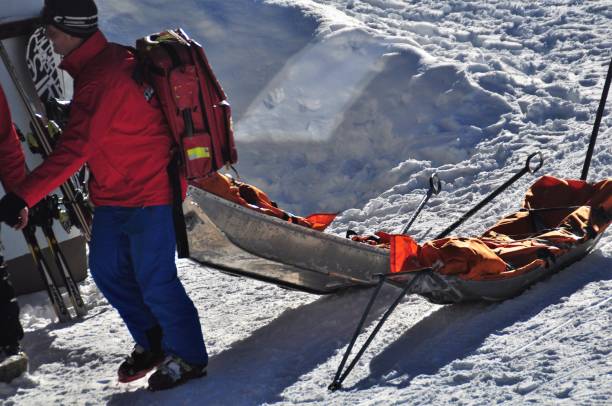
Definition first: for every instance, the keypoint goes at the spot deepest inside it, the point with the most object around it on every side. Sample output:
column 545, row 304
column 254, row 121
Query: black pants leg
column 11, row 331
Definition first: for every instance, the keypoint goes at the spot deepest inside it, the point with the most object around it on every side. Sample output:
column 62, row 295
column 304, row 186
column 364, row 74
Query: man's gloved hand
column 12, row 209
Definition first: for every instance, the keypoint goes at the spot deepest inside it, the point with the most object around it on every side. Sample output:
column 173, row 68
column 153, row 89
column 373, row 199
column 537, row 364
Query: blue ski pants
column 131, row 258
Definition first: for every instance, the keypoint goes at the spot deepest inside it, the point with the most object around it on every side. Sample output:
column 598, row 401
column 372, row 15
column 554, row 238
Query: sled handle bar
column 435, row 186
column 529, row 167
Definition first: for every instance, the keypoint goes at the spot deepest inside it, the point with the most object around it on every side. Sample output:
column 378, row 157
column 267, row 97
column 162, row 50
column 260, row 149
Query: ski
column 74, row 199
column 75, row 208
column 71, row 196
column 55, row 295
column 42, row 64
column 42, row 215
column 29, row 232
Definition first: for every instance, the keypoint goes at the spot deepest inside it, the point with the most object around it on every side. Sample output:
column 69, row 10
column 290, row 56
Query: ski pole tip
column 334, row 386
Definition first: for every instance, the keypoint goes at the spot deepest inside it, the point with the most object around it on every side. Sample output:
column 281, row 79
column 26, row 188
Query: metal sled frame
column 241, row 241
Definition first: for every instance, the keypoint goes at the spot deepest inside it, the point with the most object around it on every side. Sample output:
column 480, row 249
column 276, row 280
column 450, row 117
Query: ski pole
column 42, row 216
column 60, row 260
column 434, row 188
column 600, row 110
column 496, row 192
column 59, row 307
column 340, row 375
column 337, row 382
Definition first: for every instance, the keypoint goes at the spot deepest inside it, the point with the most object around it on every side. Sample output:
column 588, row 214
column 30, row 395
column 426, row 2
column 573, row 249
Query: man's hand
column 23, row 219
column 13, row 211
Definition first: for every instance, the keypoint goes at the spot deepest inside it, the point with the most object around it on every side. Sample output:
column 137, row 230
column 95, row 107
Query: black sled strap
column 180, row 229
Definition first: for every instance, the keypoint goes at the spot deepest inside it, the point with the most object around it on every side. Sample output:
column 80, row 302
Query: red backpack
column 175, row 68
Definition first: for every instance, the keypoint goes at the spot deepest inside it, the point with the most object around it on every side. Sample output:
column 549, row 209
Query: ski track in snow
column 537, row 67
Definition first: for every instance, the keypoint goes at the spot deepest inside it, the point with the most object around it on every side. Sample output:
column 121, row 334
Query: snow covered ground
column 351, row 105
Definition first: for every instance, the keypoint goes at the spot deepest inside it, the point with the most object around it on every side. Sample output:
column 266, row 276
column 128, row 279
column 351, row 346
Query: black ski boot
column 141, row 361
column 173, row 372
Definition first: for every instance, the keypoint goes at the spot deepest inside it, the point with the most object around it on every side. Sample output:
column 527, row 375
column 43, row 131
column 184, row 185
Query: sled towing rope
column 414, row 277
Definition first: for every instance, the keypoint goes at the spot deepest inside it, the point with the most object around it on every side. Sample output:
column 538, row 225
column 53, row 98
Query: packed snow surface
column 350, row 106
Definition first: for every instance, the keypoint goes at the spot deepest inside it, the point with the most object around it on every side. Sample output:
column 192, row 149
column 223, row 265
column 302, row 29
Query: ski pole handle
column 435, row 186
column 528, row 164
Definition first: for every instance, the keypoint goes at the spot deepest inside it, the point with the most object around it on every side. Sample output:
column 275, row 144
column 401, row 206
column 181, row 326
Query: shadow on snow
column 259, row 368
column 456, row 331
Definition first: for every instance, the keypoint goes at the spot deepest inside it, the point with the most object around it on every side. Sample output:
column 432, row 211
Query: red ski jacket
column 123, row 138
column 12, row 163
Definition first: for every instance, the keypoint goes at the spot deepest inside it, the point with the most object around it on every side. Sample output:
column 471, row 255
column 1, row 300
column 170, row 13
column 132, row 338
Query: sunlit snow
column 351, row 105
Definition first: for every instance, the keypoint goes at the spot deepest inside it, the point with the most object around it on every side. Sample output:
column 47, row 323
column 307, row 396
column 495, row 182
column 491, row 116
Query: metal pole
column 55, row 296
column 496, row 192
column 62, row 264
column 434, row 188
column 337, row 383
column 600, row 110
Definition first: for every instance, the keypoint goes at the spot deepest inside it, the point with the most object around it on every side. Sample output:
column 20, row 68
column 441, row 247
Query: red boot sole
column 141, row 374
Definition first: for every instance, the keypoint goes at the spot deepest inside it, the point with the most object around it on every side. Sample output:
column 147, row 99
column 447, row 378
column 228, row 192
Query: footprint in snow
column 463, row 366
column 506, row 380
column 525, row 387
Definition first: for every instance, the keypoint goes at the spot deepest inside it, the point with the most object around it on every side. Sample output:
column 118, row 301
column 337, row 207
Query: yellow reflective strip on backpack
column 198, row 153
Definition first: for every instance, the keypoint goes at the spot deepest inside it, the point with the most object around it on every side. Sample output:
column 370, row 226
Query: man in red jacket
column 12, row 171
column 126, row 143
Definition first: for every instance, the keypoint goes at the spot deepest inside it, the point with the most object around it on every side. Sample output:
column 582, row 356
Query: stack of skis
column 72, row 207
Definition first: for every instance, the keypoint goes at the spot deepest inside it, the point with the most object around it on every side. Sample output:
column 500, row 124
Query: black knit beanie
column 78, row 18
